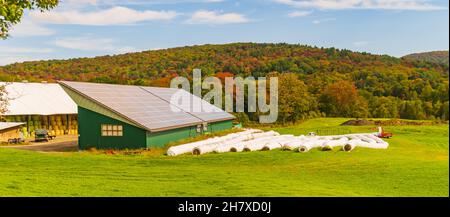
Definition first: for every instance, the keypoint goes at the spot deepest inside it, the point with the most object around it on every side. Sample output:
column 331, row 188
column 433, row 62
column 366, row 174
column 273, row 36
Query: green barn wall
column 89, row 129
column 160, row 139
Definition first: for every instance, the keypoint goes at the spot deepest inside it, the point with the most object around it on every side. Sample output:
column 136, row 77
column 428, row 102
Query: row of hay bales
column 253, row 140
column 55, row 124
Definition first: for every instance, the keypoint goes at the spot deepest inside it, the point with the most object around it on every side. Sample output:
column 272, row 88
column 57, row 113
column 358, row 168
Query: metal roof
column 202, row 109
column 38, row 99
column 7, row 125
column 146, row 107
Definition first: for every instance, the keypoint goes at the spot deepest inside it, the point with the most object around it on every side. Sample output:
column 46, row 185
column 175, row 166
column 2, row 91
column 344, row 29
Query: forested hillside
column 433, row 56
column 313, row 81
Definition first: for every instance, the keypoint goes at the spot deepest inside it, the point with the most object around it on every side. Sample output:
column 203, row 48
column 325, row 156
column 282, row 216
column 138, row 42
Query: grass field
column 416, row 164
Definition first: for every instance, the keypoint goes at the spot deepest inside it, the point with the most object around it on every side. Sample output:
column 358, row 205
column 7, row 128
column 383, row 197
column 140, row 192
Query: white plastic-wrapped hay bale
column 239, row 146
column 233, row 145
column 322, row 144
column 374, row 145
column 351, row 144
column 310, row 144
column 254, row 145
column 264, row 134
column 295, row 142
column 186, row 148
column 330, row 144
column 213, row 147
column 277, row 143
column 370, row 141
column 365, row 138
column 204, row 149
column 261, row 144
column 381, row 143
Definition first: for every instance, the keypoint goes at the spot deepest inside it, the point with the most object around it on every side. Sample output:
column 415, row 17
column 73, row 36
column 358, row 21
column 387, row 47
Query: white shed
column 41, row 106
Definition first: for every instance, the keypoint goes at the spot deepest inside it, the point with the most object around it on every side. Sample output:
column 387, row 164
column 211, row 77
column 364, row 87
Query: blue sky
column 86, row 28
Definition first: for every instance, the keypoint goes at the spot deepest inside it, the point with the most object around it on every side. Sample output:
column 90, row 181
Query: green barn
column 133, row 117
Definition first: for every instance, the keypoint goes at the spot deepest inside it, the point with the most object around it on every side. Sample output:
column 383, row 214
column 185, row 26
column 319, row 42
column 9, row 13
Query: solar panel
column 136, row 104
column 197, row 107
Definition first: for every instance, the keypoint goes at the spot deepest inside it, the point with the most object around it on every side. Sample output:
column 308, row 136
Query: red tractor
column 383, row 134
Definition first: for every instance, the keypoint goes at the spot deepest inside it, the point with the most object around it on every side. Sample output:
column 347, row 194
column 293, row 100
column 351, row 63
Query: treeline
column 313, row 81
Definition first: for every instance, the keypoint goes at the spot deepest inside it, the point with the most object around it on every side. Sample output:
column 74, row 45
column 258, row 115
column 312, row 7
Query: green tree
column 294, row 100
column 443, row 112
column 384, row 107
column 412, row 109
column 11, row 11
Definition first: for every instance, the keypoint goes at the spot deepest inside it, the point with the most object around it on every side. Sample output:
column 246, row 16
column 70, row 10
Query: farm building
column 40, row 106
column 10, row 130
column 131, row 117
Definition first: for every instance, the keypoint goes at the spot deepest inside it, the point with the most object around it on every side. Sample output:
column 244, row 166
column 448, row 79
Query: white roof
column 38, row 99
column 6, row 125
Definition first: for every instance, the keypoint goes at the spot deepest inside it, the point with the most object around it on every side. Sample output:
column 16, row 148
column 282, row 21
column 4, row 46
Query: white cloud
column 92, row 44
column 299, row 13
column 28, row 28
column 12, row 54
column 419, row 5
column 213, row 17
column 66, row 4
column 112, row 16
column 323, row 20
column 212, row 1
column 24, row 50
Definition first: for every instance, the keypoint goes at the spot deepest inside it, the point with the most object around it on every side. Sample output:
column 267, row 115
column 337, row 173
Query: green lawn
column 416, row 164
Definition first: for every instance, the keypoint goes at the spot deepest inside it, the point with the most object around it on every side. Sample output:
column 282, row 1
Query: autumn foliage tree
column 294, row 100
column 341, row 99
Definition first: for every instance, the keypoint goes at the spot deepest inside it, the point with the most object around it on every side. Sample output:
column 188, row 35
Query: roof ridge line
column 171, row 103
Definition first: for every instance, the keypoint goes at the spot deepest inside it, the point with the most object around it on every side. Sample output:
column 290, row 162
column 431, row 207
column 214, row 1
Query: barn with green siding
column 131, row 117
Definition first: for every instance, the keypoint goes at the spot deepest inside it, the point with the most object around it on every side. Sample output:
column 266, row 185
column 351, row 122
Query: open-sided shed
column 124, row 116
column 10, row 130
column 40, row 106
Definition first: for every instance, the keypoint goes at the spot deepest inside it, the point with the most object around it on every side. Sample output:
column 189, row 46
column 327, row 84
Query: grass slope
column 416, row 164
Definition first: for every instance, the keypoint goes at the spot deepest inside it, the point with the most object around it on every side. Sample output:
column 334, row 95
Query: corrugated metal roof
column 144, row 106
column 7, row 125
column 38, row 99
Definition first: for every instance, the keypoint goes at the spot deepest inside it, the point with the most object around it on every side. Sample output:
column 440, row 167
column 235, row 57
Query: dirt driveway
column 64, row 143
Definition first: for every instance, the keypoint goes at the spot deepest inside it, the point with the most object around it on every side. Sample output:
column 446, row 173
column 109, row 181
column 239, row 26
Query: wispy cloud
column 113, row 16
column 323, row 20
column 133, row 2
column 299, row 13
column 24, row 50
column 29, row 28
column 13, row 54
column 92, row 44
column 214, row 17
column 419, row 5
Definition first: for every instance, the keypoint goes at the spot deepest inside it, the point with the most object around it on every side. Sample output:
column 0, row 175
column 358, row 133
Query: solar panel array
column 196, row 106
column 144, row 106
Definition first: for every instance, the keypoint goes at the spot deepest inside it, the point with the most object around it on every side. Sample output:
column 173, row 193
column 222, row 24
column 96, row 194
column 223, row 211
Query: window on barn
column 112, row 130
